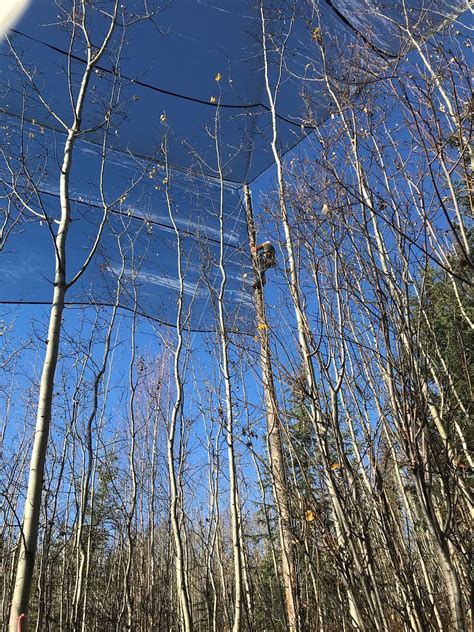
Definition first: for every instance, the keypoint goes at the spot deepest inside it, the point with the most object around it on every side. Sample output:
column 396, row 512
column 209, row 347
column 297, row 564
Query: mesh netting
column 195, row 74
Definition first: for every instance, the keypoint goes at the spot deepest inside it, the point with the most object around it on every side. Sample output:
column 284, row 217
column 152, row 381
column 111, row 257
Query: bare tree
column 78, row 22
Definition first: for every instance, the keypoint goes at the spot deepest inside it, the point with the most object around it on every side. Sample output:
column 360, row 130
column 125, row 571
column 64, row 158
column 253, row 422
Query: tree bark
column 182, row 583
column 30, row 525
column 277, row 465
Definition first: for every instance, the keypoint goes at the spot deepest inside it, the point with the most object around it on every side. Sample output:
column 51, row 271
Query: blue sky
column 182, row 53
column 191, row 57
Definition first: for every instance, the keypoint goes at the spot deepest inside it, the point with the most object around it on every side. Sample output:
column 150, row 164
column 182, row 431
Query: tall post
column 277, row 466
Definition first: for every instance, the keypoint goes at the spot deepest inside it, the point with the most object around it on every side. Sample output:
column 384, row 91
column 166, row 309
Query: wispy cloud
column 191, row 289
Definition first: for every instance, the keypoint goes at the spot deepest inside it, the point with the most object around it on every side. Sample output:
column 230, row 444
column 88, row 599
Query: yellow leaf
column 317, row 34
column 309, row 515
column 213, row 100
column 335, row 466
column 262, row 326
column 218, row 77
